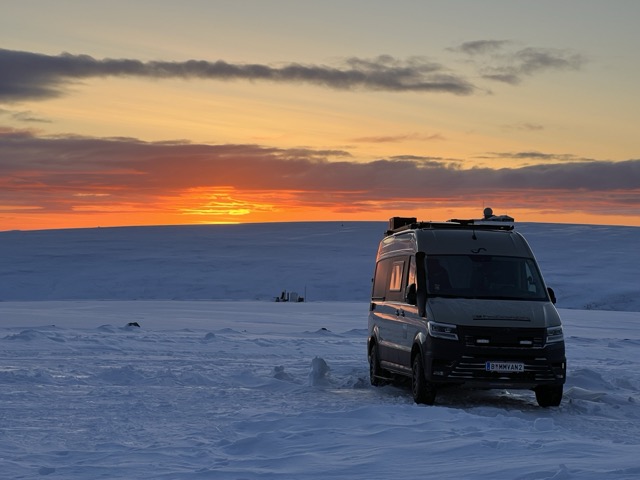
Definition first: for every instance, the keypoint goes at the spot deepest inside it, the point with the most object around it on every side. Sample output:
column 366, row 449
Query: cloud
column 497, row 60
column 23, row 116
column 481, row 47
column 26, row 75
column 35, row 76
column 397, row 138
column 58, row 173
column 534, row 155
column 533, row 60
column 524, row 126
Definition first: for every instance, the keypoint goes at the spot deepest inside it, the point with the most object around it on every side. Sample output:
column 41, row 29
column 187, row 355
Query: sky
column 158, row 112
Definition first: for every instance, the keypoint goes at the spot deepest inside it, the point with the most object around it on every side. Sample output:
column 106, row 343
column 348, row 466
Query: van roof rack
column 487, row 224
column 400, row 224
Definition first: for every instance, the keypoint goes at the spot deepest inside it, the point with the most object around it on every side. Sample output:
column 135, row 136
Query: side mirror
column 552, row 295
column 412, row 294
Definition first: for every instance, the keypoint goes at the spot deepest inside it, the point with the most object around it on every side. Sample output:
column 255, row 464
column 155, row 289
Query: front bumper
column 464, row 362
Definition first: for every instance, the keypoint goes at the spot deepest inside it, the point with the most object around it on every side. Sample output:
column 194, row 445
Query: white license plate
column 504, row 367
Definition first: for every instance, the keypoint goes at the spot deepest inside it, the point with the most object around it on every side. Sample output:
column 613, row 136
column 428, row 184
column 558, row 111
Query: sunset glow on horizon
column 110, row 116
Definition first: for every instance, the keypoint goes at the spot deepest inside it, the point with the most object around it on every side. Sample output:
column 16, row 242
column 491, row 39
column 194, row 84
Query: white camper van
column 463, row 302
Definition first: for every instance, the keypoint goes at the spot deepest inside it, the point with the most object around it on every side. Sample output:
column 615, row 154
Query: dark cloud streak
column 34, row 76
column 26, row 75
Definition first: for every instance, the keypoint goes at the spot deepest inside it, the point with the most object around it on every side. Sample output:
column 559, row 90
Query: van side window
column 396, row 280
column 532, row 285
column 395, row 283
column 411, row 277
column 380, row 280
column 391, row 278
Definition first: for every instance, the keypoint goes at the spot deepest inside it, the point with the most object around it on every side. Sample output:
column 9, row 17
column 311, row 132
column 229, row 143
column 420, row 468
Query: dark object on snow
column 289, row 297
column 133, row 324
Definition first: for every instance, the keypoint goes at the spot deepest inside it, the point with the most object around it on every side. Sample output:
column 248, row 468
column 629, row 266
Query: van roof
column 397, row 224
column 451, row 238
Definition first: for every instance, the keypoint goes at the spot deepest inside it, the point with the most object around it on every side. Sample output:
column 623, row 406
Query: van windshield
column 484, row 276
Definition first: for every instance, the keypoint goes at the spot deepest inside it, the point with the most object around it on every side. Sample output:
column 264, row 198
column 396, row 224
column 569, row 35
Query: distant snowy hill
column 590, row 267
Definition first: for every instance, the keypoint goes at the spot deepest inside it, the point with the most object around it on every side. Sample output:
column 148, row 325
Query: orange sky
column 86, row 182
column 110, row 116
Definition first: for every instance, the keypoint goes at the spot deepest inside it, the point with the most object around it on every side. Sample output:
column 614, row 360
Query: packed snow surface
column 159, row 353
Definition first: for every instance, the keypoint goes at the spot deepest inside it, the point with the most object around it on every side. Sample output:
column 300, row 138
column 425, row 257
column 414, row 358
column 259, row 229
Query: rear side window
column 395, row 283
column 380, row 280
column 390, row 279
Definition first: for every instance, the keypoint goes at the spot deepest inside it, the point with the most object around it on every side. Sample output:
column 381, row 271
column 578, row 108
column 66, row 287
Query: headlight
column 554, row 335
column 443, row 330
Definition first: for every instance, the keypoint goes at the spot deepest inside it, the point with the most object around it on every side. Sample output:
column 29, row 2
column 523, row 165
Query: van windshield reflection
column 484, row 276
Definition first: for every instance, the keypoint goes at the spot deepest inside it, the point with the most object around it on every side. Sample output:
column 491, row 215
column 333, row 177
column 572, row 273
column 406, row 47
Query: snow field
column 278, row 390
column 246, row 388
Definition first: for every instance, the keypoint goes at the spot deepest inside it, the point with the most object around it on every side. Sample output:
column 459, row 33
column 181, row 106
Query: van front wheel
column 423, row 391
column 376, row 374
column 549, row 395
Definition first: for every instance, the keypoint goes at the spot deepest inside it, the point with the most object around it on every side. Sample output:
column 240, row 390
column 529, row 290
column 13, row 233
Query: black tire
column 376, row 373
column 549, row 395
column 423, row 391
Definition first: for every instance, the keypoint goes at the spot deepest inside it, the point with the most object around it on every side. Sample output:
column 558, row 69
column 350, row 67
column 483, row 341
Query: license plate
column 504, row 367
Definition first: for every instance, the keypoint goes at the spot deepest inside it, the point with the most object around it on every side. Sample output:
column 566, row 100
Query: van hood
column 492, row 313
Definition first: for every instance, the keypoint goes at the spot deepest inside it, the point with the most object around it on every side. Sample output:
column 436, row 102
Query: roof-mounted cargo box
column 397, row 222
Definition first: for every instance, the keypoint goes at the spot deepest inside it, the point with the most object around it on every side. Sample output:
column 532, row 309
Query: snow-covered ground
column 217, row 381
column 327, row 261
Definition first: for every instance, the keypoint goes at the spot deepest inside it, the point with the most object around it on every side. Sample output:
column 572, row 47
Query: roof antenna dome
column 488, row 213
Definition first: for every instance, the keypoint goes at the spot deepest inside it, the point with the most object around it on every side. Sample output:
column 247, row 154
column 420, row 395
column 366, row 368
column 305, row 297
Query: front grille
column 502, row 337
column 474, row 368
